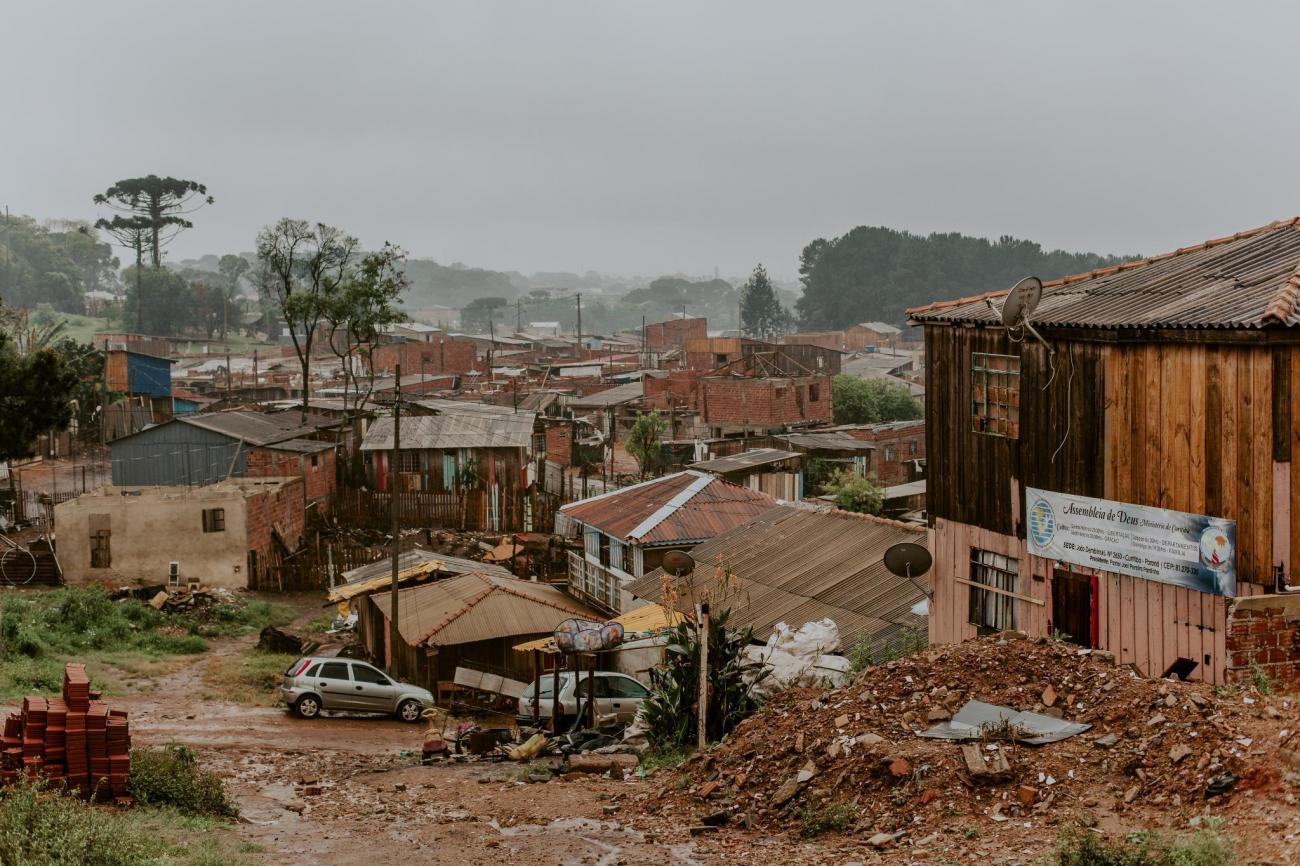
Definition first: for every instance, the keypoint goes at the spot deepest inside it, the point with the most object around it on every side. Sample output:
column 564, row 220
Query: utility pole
column 579, row 350
column 519, row 315
column 394, row 635
column 492, row 336
column 645, row 359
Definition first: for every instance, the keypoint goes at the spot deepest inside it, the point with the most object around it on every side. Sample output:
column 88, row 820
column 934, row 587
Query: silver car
column 617, row 695
column 313, row 684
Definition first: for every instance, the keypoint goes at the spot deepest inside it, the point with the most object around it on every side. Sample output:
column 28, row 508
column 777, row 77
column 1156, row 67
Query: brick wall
column 559, row 443
column 280, row 508
column 320, row 478
column 680, row 389
column 675, row 332
column 906, row 442
column 765, row 403
column 442, row 356
column 825, row 339
column 1264, row 635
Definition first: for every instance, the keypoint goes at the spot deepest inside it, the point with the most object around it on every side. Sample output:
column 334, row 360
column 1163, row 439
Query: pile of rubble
column 77, row 740
column 857, row 749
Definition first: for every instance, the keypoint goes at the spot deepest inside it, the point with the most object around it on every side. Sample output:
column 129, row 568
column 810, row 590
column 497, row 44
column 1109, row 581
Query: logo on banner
column 1042, row 522
column 1216, row 550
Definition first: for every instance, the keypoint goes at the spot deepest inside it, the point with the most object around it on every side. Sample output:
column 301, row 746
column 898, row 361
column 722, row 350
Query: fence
column 309, row 568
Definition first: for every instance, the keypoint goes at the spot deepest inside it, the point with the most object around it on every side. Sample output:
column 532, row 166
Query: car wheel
column 307, row 707
column 409, row 711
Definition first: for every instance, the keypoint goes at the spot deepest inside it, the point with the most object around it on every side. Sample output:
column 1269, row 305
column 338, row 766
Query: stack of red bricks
column 77, row 740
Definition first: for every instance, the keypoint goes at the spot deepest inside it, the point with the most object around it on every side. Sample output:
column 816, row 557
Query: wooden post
column 703, row 738
column 395, row 464
column 537, row 686
column 591, row 693
column 555, row 695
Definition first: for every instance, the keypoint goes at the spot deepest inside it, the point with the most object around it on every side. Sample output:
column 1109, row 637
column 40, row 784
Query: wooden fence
column 309, row 568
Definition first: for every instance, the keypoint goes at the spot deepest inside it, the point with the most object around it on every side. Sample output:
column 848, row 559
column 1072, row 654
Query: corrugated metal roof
column 419, row 556
column 746, row 460
column 259, row 428
column 1248, row 280
column 610, row 396
column 455, row 429
column 686, row 506
column 829, row 440
column 880, row 327
column 474, row 607
column 795, row 565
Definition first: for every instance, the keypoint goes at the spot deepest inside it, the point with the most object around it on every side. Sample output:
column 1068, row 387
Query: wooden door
column 1074, row 607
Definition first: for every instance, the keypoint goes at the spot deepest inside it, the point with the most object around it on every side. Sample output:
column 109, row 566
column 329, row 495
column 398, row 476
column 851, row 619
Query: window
column 367, row 674
column 334, row 671
column 989, row 609
column 408, row 461
column 623, row 687
column 995, row 394
column 214, row 520
column 313, row 459
column 313, row 670
column 911, row 447
column 815, row 391
column 889, row 453
column 720, row 359
column 101, row 553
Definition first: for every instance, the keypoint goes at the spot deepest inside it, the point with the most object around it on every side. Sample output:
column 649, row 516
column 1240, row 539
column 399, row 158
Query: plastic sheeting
column 802, row 657
column 976, row 717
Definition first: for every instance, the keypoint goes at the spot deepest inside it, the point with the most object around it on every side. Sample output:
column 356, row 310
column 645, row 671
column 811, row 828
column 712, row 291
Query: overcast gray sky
column 663, row 136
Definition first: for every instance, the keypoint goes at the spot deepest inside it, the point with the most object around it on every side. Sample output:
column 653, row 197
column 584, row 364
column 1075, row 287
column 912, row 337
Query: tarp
column 973, row 720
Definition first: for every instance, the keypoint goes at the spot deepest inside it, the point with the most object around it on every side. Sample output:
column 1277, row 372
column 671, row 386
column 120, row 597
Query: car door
column 624, row 696
column 372, row 688
column 334, row 683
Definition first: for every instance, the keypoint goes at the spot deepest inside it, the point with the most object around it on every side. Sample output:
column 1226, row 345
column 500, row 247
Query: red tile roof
column 684, row 507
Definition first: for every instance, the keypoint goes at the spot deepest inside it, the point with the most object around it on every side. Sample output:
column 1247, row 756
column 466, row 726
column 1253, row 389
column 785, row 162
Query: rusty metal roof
column 1247, row 280
column 797, row 565
column 751, row 459
column 680, row 508
column 477, row 606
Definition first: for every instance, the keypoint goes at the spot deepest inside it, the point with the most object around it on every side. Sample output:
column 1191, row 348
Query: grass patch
column 834, row 816
column 662, row 759
column 249, row 678
column 40, row 629
column 1201, row 848
column 40, row 827
column 171, row 777
column 867, row 653
column 322, row 623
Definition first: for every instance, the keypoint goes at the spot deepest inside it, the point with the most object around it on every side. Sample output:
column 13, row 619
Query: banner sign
column 1189, row 550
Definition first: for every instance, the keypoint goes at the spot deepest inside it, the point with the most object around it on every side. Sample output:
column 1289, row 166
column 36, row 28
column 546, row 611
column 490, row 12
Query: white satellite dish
column 1021, row 301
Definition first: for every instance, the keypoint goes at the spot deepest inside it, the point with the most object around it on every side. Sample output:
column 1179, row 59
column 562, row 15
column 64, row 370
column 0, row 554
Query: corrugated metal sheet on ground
column 714, row 508
column 1249, row 280
column 796, row 565
column 475, row 607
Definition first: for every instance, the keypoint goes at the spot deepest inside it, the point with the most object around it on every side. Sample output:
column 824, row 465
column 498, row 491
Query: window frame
column 995, row 394
column 214, row 519
column 992, row 611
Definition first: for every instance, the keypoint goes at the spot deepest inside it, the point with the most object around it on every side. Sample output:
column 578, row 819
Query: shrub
column 852, row 492
column 39, row 827
column 670, row 711
column 172, row 777
column 829, row 817
column 1202, row 848
column 868, row 653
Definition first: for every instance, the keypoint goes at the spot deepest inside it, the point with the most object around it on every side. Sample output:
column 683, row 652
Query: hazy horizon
column 677, row 138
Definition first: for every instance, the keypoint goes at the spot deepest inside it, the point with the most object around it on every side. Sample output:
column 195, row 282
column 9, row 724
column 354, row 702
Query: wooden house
column 1067, row 476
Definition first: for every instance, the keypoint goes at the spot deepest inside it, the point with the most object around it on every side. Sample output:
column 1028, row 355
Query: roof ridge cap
column 934, row 306
column 875, row 518
column 452, row 617
column 1284, row 302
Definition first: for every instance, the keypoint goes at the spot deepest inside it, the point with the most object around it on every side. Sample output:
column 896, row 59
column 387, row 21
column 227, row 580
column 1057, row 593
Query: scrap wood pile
column 76, row 740
column 1152, row 744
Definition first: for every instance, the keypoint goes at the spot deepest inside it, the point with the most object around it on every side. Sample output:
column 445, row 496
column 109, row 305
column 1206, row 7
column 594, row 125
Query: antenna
column 1021, row 301
column 907, row 559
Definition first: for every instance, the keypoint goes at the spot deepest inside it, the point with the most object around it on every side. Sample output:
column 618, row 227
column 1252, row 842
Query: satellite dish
column 676, row 562
column 1021, row 301
column 907, row 559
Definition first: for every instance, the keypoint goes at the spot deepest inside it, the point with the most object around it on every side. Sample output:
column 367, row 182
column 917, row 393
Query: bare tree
column 357, row 314
column 305, row 267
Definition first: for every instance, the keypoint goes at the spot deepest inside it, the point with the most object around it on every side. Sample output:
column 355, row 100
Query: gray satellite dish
column 678, row 563
column 907, row 559
column 1021, row 301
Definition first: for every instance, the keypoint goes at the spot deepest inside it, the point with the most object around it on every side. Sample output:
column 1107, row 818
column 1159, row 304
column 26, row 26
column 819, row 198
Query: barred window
column 995, row 394
column 993, row 610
